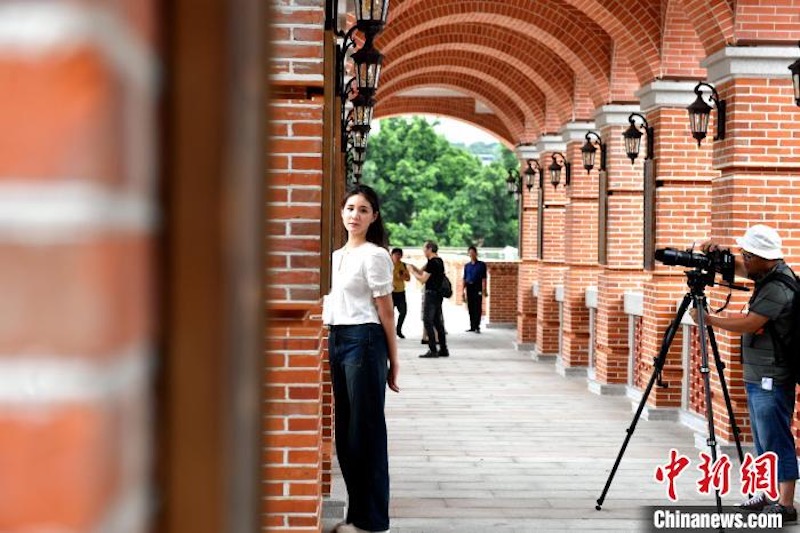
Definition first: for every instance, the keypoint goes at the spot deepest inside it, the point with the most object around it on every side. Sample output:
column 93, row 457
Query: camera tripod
column 697, row 281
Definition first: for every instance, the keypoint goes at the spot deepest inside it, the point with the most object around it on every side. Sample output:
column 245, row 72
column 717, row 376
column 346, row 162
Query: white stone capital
column 551, row 143
column 576, row 130
column 666, row 93
column 527, row 151
column 749, row 62
column 614, row 115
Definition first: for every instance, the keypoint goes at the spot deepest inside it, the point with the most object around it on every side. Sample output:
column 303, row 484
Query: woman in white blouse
column 361, row 341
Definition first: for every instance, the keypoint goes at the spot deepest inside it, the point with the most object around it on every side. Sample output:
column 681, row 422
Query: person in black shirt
column 474, row 288
column 432, row 275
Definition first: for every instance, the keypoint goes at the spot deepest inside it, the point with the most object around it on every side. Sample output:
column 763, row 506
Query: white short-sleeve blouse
column 358, row 275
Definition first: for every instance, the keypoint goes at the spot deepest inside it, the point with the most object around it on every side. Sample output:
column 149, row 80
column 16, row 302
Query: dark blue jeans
column 359, row 368
column 771, row 413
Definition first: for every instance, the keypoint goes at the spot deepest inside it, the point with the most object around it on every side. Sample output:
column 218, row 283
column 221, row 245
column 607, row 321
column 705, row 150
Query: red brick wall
column 683, row 218
column 293, row 430
column 294, row 196
column 528, row 268
column 502, row 287
column 77, row 176
column 298, row 412
column 759, row 165
column 526, row 303
column 580, row 253
column 624, row 269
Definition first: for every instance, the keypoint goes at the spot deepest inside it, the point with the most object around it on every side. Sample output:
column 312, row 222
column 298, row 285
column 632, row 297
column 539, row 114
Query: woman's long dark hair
column 376, row 233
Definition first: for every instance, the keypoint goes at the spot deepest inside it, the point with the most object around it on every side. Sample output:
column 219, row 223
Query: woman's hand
column 394, row 371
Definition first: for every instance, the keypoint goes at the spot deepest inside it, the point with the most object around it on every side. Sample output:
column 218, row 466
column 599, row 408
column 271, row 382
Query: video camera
column 717, row 261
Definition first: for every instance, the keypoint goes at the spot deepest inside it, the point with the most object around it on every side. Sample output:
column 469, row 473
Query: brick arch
column 681, row 49
column 586, row 48
column 472, row 84
column 713, row 21
column 462, row 109
column 500, row 77
column 634, row 26
column 550, row 73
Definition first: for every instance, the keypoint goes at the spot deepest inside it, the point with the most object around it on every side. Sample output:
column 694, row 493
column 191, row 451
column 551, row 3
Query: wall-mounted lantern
column 700, row 111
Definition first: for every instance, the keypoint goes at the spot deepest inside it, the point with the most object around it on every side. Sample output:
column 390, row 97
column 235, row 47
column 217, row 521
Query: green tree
column 431, row 189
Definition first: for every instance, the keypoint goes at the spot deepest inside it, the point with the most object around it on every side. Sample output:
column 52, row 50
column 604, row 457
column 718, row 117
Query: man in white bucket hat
column 768, row 375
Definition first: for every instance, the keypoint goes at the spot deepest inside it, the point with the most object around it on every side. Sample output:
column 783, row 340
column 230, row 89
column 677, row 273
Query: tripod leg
column 658, row 364
column 699, row 304
column 721, row 373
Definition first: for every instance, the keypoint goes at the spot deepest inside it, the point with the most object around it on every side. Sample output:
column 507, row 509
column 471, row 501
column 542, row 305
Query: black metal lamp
column 700, row 111
column 358, row 138
column 555, row 169
column 371, row 16
column 795, row 68
column 357, row 121
column 362, row 111
column 370, row 20
column 532, row 172
column 589, row 150
column 514, row 183
column 368, row 61
column 357, row 169
column 359, row 155
column 633, row 138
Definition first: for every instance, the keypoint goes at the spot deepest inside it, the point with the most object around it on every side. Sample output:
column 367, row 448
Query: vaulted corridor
column 637, row 125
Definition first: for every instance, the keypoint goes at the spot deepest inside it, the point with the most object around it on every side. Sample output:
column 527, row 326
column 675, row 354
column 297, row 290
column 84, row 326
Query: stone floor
column 490, row 440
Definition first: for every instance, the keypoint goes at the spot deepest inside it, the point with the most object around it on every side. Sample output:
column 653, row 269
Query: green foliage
column 431, row 189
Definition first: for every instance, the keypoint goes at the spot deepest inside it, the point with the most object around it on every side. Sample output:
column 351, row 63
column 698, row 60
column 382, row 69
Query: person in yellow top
column 399, row 278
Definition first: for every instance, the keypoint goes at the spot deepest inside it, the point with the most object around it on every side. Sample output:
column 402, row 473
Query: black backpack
column 446, row 288
column 787, row 351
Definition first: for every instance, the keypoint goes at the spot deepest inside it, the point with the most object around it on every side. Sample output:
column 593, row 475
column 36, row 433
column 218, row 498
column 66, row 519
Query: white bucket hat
column 762, row 241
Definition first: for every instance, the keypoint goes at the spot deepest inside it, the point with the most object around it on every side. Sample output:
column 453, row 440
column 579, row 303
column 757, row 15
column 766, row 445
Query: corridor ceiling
column 521, row 68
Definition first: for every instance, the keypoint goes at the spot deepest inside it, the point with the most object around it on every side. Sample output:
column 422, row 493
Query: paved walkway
column 489, row 440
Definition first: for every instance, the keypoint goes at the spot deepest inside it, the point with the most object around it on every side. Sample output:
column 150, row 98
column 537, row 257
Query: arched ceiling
column 534, row 63
column 456, row 107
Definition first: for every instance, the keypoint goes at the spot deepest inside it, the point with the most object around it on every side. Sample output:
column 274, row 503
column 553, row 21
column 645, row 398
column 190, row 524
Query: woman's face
column 357, row 215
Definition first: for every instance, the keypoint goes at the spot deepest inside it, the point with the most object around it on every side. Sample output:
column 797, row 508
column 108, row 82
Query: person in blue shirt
column 474, row 288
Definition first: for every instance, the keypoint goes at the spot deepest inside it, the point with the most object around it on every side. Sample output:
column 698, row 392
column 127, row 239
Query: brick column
column 298, row 415
column 529, row 262
column 77, row 183
column 622, row 271
column 682, row 207
column 502, row 301
column 551, row 265
column 293, row 426
column 580, row 253
column 759, row 165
